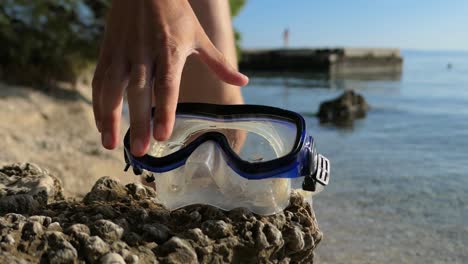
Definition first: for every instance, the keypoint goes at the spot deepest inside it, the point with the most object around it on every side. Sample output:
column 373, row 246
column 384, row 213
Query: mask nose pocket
column 206, row 178
column 199, row 165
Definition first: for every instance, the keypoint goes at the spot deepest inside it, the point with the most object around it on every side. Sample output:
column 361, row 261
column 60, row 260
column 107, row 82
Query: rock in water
column 125, row 224
column 343, row 110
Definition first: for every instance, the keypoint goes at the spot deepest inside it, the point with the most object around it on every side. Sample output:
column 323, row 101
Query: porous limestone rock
column 118, row 224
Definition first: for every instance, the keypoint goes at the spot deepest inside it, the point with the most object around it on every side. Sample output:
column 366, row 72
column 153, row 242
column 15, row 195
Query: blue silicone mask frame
column 302, row 160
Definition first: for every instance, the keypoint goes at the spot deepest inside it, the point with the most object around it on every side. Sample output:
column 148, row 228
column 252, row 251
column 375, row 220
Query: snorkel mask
column 233, row 156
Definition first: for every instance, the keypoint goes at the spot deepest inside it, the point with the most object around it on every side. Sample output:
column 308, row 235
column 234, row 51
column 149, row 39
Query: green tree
column 236, row 7
column 49, row 39
column 54, row 40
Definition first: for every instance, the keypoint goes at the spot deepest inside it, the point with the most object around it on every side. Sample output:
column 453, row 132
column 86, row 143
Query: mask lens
column 253, row 139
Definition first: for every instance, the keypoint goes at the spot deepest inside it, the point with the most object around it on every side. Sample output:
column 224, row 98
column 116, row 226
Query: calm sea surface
column 399, row 188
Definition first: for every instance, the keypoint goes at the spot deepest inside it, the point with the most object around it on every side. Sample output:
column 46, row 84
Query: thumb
column 218, row 63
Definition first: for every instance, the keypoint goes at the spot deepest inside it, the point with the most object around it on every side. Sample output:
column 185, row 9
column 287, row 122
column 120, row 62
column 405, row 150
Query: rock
column 112, row 258
column 139, row 191
column 60, row 250
column 156, row 232
column 7, row 257
column 13, row 218
column 261, row 240
column 133, row 239
column 77, row 229
column 132, row 259
column 216, row 229
column 119, row 224
column 55, row 226
column 294, row 238
column 8, row 239
column 105, row 212
column 29, row 179
column 120, row 247
column 94, row 248
column 195, row 216
column 344, row 109
column 107, row 230
column 20, row 203
column 273, row 235
column 106, row 189
column 32, row 229
column 178, row 251
column 43, row 220
column 197, row 235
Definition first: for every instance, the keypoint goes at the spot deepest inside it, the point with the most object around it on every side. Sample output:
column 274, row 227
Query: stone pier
column 335, row 62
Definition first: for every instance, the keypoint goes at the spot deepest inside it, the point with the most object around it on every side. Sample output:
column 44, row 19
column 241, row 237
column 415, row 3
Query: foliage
column 45, row 40
column 48, row 39
column 236, row 6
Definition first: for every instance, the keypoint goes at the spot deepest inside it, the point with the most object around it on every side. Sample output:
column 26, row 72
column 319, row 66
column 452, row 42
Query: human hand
column 145, row 47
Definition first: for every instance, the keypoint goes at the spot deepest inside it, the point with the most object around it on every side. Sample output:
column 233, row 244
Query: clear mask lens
column 253, row 139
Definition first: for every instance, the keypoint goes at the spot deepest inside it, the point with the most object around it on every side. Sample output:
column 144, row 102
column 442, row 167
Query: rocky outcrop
column 25, row 187
column 125, row 224
column 343, row 110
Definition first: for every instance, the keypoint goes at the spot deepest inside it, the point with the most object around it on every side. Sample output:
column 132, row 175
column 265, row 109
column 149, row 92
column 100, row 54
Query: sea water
column 399, row 186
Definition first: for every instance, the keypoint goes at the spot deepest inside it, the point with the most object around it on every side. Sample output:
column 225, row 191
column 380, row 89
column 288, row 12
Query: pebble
column 43, row 220
column 8, row 239
column 107, row 230
column 60, row 250
column 20, row 203
column 112, row 258
column 55, row 226
column 139, row 191
column 132, row 259
column 105, row 189
column 156, row 232
column 78, row 228
column 216, row 229
column 180, row 251
column 32, row 229
column 196, row 234
column 12, row 218
column 260, row 239
column 273, row 235
column 94, row 248
column 132, row 239
column 294, row 238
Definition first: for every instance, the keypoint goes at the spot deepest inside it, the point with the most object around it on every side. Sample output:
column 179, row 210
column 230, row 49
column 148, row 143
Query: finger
column 98, row 78
column 219, row 64
column 111, row 98
column 166, row 89
column 139, row 105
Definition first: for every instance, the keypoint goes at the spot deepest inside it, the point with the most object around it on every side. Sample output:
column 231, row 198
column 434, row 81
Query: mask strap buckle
column 316, row 169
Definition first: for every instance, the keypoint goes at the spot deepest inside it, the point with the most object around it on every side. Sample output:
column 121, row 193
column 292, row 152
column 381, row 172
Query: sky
column 406, row 24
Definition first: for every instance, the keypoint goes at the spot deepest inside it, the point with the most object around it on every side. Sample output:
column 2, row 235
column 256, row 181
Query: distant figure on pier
column 286, row 37
column 449, row 66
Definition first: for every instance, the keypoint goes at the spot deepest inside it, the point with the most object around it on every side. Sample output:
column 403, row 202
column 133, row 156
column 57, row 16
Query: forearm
column 199, row 84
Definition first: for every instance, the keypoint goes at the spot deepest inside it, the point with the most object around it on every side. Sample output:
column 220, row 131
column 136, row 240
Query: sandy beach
column 55, row 129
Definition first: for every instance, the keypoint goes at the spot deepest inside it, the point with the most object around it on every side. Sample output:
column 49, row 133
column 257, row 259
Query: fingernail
column 245, row 77
column 107, row 139
column 137, row 146
column 160, row 130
